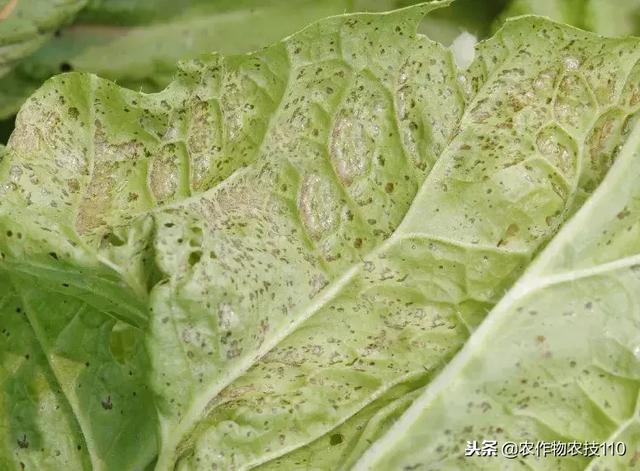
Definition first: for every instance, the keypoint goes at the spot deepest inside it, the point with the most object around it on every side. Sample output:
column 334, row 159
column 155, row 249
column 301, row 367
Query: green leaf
column 133, row 12
column 82, row 401
column 614, row 18
column 556, row 359
column 606, row 17
column 37, row 428
column 476, row 222
column 307, row 234
column 25, row 26
column 144, row 12
column 101, row 366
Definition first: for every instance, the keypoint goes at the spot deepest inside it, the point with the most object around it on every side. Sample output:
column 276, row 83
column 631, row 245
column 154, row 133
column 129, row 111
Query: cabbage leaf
column 266, row 263
column 558, row 359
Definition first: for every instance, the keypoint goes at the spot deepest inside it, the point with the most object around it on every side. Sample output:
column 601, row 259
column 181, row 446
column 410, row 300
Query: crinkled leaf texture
column 557, row 359
column 301, row 237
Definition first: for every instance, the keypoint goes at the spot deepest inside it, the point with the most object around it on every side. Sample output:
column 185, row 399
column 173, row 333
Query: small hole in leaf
column 196, row 239
column 114, row 240
column 194, row 257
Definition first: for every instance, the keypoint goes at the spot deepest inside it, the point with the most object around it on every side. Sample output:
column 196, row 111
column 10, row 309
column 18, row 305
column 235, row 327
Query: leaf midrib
column 308, row 310
column 89, row 443
column 528, row 284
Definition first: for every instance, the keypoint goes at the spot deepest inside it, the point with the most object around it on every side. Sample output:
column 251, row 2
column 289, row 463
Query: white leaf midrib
column 532, row 281
column 191, row 418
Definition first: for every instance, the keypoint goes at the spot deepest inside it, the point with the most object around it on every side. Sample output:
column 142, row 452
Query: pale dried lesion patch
column 204, row 143
column 559, row 149
column 117, row 188
column 349, row 149
column 165, row 175
column 96, row 202
column 317, row 206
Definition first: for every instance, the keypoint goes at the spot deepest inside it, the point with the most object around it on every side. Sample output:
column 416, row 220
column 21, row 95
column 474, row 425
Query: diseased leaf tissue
column 338, row 252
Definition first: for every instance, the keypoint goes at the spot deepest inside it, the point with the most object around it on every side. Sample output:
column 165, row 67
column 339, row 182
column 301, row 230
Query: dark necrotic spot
column 107, row 404
column 23, row 442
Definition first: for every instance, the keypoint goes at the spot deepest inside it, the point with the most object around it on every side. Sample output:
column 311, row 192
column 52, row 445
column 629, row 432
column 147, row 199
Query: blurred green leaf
column 25, row 26
column 606, row 17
